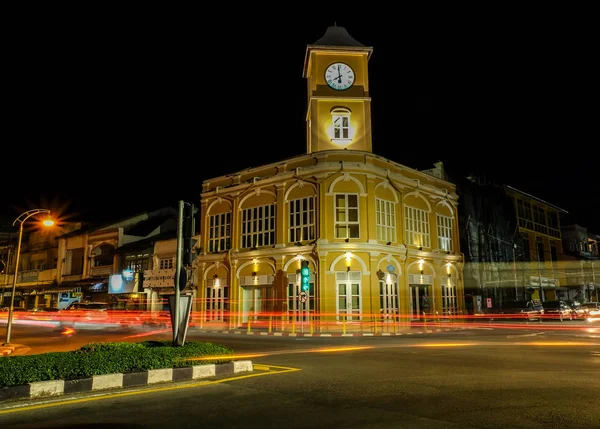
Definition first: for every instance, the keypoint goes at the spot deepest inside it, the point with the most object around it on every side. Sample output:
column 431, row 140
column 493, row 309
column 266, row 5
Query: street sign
column 302, row 297
column 182, row 278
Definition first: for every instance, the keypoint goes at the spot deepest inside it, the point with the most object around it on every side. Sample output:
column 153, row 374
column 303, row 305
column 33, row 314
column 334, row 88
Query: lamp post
column 21, row 220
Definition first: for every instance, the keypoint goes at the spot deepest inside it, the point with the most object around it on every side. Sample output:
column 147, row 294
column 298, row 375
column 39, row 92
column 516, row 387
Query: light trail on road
column 385, row 346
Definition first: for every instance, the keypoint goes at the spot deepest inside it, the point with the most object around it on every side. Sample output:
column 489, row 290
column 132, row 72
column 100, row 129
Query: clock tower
column 339, row 107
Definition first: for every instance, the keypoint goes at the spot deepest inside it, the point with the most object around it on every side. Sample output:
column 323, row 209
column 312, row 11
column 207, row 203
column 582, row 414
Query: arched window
column 341, row 132
column 103, row 255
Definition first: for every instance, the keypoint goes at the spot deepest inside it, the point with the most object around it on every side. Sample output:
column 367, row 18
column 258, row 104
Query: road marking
column 59, row 402
column 261, row 367
column 526, row 335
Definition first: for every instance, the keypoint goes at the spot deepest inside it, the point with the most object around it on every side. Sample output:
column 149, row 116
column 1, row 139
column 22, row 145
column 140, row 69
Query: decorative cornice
column 325, row 169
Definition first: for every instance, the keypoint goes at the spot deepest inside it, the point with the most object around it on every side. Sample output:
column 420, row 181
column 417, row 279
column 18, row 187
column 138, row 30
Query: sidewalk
column 364, row 330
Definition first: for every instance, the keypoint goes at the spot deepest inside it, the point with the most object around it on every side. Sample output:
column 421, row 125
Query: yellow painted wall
column 320, row 62
column 322, row 99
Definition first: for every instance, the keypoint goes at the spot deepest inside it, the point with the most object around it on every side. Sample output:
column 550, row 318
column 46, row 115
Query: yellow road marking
column 261, row 367
column 280, row 370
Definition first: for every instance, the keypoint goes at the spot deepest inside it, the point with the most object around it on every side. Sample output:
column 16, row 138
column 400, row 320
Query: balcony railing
column 101, row 271
column 28, row 276
column 159, row 278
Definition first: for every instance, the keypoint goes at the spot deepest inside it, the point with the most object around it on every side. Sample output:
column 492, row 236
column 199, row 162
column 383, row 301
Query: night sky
column 118, row 114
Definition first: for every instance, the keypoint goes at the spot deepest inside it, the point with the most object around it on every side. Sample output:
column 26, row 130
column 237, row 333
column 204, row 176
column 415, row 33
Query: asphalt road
column 42, row 339
column 485, row 378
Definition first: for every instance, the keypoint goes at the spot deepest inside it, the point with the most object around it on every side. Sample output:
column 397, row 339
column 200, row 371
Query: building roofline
column 536, row 198
column 325, row 152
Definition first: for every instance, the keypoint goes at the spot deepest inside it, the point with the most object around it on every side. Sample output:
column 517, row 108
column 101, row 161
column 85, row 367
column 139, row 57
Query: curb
column 6, row 350
column 333, row 334
column 44, row 389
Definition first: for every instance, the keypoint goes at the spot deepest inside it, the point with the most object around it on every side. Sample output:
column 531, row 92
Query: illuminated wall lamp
column 348, row 260
column 217, row 281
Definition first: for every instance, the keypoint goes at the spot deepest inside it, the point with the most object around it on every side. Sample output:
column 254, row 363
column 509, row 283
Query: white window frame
column 302, row 222
column 346, row 223
column 341, row 126
column 445, row 230
column 258, row 226
column 345, row 278
column 449, row 301
column 166, row 263
column 219, row 232
column 417, row 226
column 385, row 220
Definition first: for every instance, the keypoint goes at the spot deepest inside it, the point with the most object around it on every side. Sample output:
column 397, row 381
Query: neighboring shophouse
column 106, row 264
column 512, row 245
column 159, row 279
column 380, row 238
column 37, row 273
column 541, row 243
column 582, row 263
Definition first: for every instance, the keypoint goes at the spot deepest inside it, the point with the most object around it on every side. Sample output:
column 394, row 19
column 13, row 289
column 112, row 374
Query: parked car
column 577, row 312
column 591, row 309
column 520, row 309
column 557, row 310
column 85, row 312
column 90, row 306
column 593, row 316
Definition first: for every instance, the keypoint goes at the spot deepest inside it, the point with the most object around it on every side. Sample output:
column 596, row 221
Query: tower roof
column 335, row 39
column 337, row 36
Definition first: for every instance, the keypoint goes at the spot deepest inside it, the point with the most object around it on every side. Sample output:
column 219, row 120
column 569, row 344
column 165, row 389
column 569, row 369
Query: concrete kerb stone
column 107, row 381
column 160, row 375
column 44, row 389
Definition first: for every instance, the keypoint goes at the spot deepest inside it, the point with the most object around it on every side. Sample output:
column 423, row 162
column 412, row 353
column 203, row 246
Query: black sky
column 113, row 113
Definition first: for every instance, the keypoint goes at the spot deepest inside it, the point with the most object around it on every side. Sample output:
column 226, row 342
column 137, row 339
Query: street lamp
column 21, row 219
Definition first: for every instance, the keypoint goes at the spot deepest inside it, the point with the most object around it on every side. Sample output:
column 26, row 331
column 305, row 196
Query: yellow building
column 380, row 238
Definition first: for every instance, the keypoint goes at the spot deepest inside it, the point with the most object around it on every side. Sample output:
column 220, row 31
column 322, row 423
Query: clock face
column 339, row 76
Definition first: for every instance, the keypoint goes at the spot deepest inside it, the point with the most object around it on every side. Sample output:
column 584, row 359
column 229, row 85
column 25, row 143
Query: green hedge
column 105, row 358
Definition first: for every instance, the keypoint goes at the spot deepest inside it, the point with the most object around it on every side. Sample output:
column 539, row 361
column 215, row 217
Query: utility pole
column 181, row 305
column 176, row 309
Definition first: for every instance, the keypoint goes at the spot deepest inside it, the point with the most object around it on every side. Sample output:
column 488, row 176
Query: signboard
column 28, row 276
column 117, row 284
column 159, row 278
column 488, row 302
column 390, row 268
column 546, row 282
column 127, row 274
column 302, row 297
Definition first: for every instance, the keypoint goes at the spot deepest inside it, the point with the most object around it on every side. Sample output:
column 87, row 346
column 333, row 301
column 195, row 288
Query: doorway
column 257, row 303
column 421, row 300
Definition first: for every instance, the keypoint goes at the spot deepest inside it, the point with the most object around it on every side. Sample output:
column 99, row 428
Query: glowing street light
column 21, row 219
